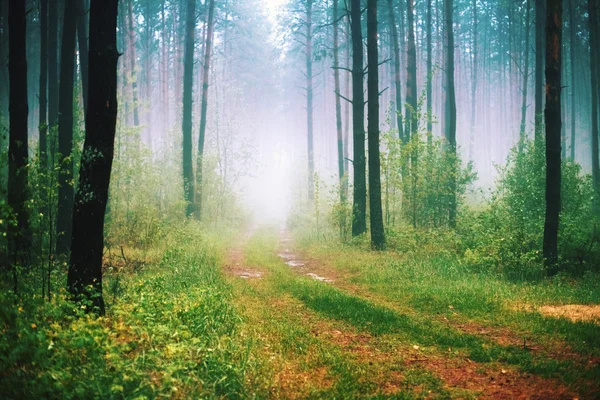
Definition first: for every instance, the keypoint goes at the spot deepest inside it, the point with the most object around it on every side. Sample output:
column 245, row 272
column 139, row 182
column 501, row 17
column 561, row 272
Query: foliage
column 507, row 236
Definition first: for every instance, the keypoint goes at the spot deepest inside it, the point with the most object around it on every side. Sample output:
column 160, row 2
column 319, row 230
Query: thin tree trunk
column 572, row 54
column 65, row 131
column 338, row 105
column 19, row 239
column 85, row 267
column 186, row 121
column 132, row 58
column 52, row 75
column 347, row 110
column 82, row 40
column 553, row 129
column 309, row 99
column 451, row 108
column 205, row 83
column 397, row 79
column 412, row 119
column 473, row 85
column 539, row 66
column 429, row 75
column 594, row 58
column 359, row 208
column 43, row 123
column 375, row 213
column 525, row 78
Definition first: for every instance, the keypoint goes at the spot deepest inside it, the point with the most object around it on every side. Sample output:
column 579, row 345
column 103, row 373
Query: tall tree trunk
column 338, row 105
column 473, row 85
column 205, row 83
column 397, row 79
column 429, row 75
column 347, row 106
column 309, row 99
column 82, row 40
column 412, row 119
column 572, row 54
column 450, row 120
column 85, row 267
column 525, row 71
column 594, row 59
column 186, row 121
column 375, row 213
column 19, row 239
column 359, row 208
column 553, row 128
column 52, row 75
column 43, row 123
column 539, row 66
column 65, row 131
column 131, row 43
column 165, row 76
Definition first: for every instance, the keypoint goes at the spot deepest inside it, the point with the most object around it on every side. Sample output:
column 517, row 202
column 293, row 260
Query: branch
column 342, row 96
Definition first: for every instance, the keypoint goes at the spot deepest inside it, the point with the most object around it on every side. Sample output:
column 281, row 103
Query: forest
column 299, row 199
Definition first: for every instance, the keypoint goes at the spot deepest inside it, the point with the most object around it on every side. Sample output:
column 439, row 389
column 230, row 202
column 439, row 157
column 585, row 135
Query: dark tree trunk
column 43, row 123
column 450, row 120
column 412, row 119
column 375, row 213
column 359, row 208
column 525, row 71
column 19, row 239
column 539, row 66
column 338, row 105
column 52, row 73
column 553, row 129
column 82, row 40
column 65, row 132
column 572, row 51
column 397, row 79
column 594, row 43
column 186, row 121
column 205, row 78
column 85, row 268
column 309, row 100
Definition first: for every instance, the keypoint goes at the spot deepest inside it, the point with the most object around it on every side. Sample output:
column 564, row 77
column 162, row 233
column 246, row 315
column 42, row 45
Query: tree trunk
column 309, row 100
column 19, row 239
column 186, row 121
column 338, row 105
column 82, row 40
column 429, row 76
column 412, row 119
column 473, row 85
column 525, row 71
column 132, row 58
column 572, row 54
column 375, row 213
column 594, row 58
column 43, row 123
column 450, row 121
column 539, row 66
column 205, row 77
column 359, row 208
column 85, row 267
column 65, row 131
column 397, row 79
column 553, row 129
column 52, row 75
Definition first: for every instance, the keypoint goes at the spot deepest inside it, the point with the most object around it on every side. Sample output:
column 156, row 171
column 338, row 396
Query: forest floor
column 340, row 322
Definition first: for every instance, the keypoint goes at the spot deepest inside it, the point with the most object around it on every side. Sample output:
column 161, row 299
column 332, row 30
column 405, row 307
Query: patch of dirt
column 292, row 383
column 319, row 278
column 502, row 336
column 574, row 312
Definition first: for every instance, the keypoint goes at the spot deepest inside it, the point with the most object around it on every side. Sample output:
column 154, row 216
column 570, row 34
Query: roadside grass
column 170, row 332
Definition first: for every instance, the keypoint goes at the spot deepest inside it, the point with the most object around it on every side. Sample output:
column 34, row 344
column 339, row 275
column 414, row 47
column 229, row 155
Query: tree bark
column 553, row 124
column 82, row 40
column 525, row 71
column 131, row 42
column 473, row 85
column 429, row 76
column 338, row 105
column 19, row 239
column 205, row 83
column 309, row 100
column 186, row 120
column 539, row 66
column 397, row 79
column 375, row 212
column 65, row 132
column 85, row 267
column 594, row 58
column 359, row 208
column 52, row 75
column 43, row 123
column 572, row 54
column 412, row 119
column 450, row 121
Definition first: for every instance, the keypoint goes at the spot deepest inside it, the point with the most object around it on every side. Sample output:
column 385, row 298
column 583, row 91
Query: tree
column 207, row 53
column 412, row 118
column 359, row 207
column 573, row 75
column 376, row 215
column 594, row 58
column 84, row 280
column 430, row 73
column 525, row 73
column 65, row 132
column 539, row 65
column 397, row 79
column 43, row 123
column 186, row 121
column 18, row 151
column 309, row 97
column 82, row 41
column 338, row 105
column 552, row 116
column 450, row 119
